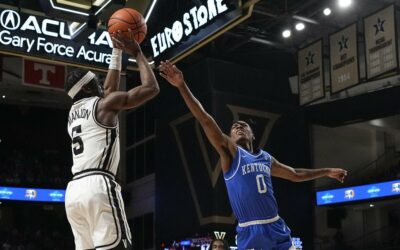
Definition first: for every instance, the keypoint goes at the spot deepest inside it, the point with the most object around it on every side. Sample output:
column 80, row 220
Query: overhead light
column 371, row 205
column 133, row 60
column 4, row 96
column 148, row 14
column 264, row 41
column 377, row 122
column 68, row 10
column 303, row 19
column 344, row 3
column 286, row 33
column 99, row 10
column 327, row 11
column 97, row 2
column 300, row 26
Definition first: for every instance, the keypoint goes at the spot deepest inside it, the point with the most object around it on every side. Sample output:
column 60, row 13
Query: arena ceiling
column 261, row 34
column 257, row 41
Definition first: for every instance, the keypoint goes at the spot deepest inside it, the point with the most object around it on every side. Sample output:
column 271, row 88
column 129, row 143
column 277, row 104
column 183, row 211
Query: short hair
column 72, row 78
column 249, row 121
column 226, row 244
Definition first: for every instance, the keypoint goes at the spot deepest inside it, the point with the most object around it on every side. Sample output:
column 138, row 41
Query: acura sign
column 10, row 19
column 36, row 36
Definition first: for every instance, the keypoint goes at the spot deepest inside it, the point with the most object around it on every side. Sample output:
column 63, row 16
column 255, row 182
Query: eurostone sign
column 192, row 28
column 50, row 39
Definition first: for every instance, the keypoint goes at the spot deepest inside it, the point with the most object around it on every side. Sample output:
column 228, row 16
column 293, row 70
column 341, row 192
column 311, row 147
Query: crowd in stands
column 392, row 172
column 34, row 226
column 46, row 168
column 35, row 149
column 40, row 239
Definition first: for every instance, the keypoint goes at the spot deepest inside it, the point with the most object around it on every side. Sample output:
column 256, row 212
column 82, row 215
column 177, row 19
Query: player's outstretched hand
column 128, row 45
column 337, row 173
column 171, row 73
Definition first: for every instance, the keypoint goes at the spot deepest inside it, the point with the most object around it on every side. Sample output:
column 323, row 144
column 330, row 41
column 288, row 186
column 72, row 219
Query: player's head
column 82, row 84
column 219, row 244
column 242, row 134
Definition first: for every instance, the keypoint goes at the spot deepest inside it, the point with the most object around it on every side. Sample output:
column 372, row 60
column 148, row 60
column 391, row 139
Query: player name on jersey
column 79, row 114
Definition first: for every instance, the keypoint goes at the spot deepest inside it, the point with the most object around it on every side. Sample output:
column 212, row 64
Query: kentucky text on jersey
column 255, row 167
column 79, row 114
column 249, row 186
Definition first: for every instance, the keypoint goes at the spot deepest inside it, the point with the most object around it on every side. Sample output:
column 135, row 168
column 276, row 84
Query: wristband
column 116, row 59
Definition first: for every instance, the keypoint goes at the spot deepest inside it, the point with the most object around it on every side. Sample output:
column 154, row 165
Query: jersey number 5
column 77, row 149
column 262, row 187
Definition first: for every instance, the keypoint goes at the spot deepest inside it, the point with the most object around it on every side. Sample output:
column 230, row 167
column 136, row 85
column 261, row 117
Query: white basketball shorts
column 95, row 211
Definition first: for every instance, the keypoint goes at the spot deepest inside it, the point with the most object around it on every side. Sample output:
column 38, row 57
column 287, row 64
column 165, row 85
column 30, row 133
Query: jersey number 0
column 262, row 187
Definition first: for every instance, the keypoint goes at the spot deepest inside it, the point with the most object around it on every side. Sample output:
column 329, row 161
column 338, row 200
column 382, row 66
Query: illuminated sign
column 5, row 193
column 192, row 20
column 297, row 243
column 349, row 194
column 396, row 187
column 37, row 36
column 357, row 193
column 32, row 194
column 194, row 27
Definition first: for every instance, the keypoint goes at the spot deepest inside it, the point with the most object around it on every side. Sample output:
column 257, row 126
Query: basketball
column 127, row 18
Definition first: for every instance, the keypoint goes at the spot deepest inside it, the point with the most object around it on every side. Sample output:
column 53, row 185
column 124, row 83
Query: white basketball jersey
column 94, row 146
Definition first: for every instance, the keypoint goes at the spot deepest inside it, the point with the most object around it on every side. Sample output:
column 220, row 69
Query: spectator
column 24, row 168
column 219, row 244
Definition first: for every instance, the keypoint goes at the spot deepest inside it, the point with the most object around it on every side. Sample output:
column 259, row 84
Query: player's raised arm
column 300, row 174
column 221, row 142
column 149, row 88
column 111, row 83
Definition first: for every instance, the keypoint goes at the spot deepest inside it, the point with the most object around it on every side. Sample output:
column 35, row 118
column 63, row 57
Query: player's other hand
column 126, row 42
column 337, row 173
column 171, row 73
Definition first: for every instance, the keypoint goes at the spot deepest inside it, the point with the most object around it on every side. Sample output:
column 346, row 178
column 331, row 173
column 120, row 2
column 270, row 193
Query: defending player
column 247, row 174
column 93, row 201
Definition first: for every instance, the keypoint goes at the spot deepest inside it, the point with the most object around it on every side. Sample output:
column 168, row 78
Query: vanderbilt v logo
column 219, row 235
column 264, row 119
column 125, row 243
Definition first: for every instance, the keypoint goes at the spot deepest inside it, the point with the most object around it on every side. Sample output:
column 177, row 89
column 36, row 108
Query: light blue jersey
column 250, row 191
column 249, row 186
